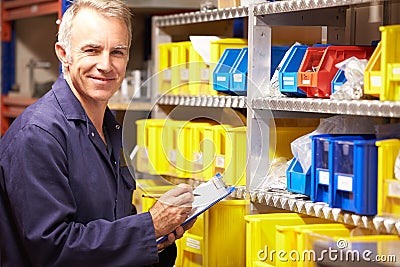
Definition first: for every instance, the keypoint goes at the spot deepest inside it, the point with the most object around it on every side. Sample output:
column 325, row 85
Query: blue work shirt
column 65, row 200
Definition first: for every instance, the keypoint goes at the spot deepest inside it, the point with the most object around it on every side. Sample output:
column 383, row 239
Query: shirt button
column 115, row 163
column 92, row 134
column 117, row 127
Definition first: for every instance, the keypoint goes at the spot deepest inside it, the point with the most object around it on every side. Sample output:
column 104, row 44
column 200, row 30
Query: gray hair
column 107, row 8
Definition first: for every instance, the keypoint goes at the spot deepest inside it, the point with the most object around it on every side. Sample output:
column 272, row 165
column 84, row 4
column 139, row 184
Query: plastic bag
column 276, row 177
column 340, row 124
column 354, row 72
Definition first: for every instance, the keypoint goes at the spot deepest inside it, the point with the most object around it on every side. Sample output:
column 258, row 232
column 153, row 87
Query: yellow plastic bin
column 199, row 148
column 346, row 249
column 142, row 159
column 261, row 235
column 217, row 238
column 199, row 75
column 284, row 135
column 150, row 144
column 390, row 62
column 304, row 246
column 235, row 156
column 212, row 152
column 170, row 139
column 179, row 68
column 373, row 74
column 388, row 185
column 164, row 68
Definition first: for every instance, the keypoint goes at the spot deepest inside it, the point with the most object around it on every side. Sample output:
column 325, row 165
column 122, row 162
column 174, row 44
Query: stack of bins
column 217, row 238
column 388, row 183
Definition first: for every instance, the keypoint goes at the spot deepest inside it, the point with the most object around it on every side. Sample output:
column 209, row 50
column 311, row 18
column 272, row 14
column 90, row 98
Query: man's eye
column 90, row 51
column 118, row 52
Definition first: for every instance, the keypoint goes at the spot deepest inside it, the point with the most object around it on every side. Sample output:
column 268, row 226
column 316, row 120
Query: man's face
column 99, row 55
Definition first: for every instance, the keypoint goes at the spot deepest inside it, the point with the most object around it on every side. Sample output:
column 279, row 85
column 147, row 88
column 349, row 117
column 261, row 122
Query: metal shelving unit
column 328, row 13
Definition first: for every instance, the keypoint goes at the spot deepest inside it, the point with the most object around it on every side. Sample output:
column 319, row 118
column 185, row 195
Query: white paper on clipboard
column 206, row 195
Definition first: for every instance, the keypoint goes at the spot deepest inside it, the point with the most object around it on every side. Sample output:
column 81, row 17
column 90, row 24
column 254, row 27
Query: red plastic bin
column 318, row 67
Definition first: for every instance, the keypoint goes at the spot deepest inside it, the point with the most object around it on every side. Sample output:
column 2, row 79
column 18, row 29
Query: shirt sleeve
column 43, row 206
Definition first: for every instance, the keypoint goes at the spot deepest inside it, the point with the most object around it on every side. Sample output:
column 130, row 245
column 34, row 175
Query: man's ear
column 61, row 54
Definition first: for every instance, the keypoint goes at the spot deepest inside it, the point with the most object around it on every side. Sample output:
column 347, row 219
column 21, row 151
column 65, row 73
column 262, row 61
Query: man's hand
column 177, row 234
column 171, row 210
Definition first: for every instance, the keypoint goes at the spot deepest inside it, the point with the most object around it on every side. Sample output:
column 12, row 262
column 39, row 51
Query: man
column 65, row 192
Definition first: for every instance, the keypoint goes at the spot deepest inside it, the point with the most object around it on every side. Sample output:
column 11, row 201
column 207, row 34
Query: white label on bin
column 205, row 74
column 167, row 75
column 221, row 78
column 288, row 80
column 193, row 243
column 306, row 82
column 323, row 177
column 376, row 81
column 345, row 183
column 220, row 161
column 198, row 157
column 172, row 155
column 394, row 189
column 396, row 71
column 184, row 74
column 238, row 77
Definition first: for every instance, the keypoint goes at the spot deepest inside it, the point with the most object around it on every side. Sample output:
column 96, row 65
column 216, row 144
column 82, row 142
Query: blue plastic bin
column 221, row 73
column 320, row 177
column 239, row 73
column 355, row 175
column 298, row 181
column 288, row 72
column 277, row 54
column 338, row 80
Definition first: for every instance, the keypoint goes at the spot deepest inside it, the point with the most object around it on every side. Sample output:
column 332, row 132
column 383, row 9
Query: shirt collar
column 68, row 102
column 73, row 109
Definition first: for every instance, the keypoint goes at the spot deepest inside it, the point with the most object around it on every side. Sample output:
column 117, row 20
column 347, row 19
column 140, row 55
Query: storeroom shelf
column 374, row 108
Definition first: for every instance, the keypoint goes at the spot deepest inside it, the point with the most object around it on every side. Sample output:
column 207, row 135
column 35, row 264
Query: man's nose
column 104, row 62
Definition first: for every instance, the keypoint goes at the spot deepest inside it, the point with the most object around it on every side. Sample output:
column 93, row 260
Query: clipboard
column 206, row 195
